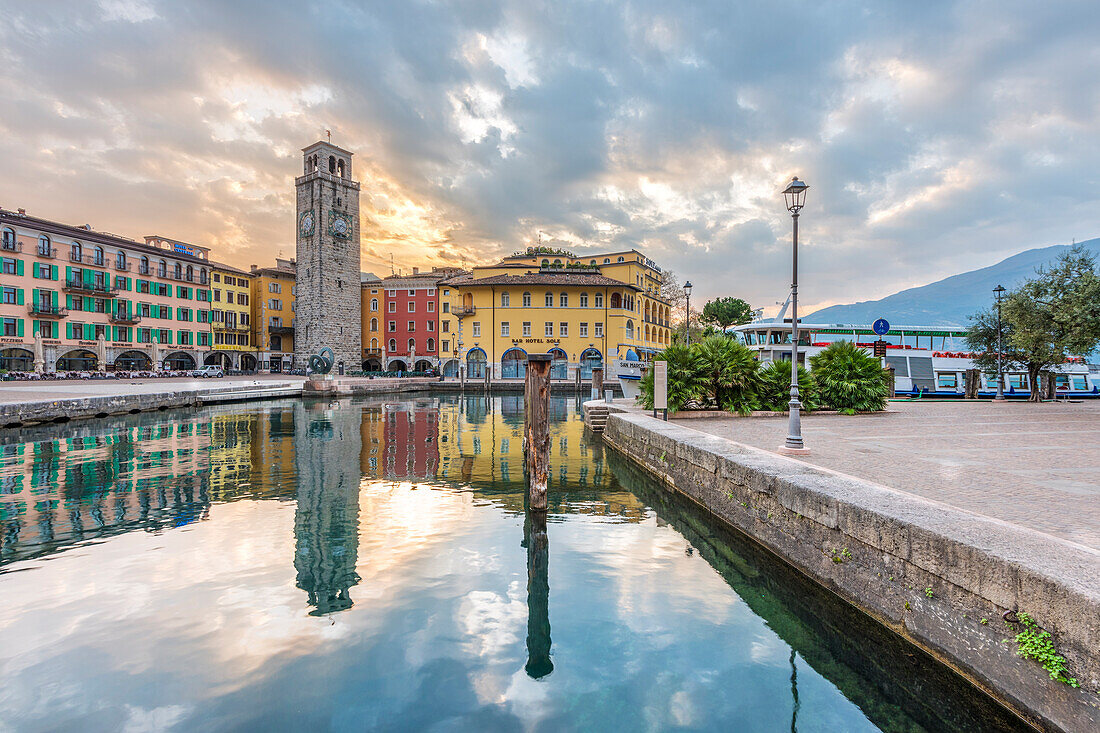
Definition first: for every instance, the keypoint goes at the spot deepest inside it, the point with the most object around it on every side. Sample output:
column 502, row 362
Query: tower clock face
column 341, row 225
column 306, row 223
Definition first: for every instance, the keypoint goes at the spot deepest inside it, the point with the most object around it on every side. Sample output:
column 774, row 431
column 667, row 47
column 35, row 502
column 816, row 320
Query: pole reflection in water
column 537, row 543
column 327, row 444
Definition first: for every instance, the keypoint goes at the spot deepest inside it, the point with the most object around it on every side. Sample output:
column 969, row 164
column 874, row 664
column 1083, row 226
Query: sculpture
column 322, row 363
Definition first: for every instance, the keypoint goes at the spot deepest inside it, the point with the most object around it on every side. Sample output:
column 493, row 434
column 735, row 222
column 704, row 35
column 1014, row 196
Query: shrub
column 774, row 387
column 683, row 377
column 849, row 379
column 727, row 372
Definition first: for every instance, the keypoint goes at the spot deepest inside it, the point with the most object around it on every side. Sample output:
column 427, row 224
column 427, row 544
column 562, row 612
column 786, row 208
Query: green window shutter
column 68, row 301
column 88, row 304
column 35, row 328
column 68, row 330
column 34, row 269
column 19, row 327
column 35, row 299
column 68, row 273
column 53, row 272
column 19, row 269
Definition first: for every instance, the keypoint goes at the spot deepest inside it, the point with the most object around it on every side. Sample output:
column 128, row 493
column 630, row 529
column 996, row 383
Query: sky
column 936, row 137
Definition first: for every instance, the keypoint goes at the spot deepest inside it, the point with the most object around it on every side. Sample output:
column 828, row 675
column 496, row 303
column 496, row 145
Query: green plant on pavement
column 683, row 377
column 727, row 373
column 849, row 379
column 774, row 387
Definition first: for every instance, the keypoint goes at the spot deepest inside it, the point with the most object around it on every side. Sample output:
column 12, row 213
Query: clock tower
column 327, row 310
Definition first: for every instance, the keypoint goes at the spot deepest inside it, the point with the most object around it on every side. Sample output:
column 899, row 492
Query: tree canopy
column 726, row 312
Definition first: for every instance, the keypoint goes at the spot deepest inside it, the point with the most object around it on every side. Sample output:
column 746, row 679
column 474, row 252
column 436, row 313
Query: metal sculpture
column 322, row 363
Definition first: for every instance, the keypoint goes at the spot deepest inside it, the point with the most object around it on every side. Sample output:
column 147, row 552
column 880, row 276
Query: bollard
column 597, row 382
column 536, row 431
column 608, row 392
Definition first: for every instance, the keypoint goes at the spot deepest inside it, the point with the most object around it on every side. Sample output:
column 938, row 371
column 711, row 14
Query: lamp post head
column 999, row 291
column 687, row 288
column 795, row 195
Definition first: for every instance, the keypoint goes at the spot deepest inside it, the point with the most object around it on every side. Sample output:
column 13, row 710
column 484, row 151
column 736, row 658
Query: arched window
column 179, row 271
column 412, row 346
column 557, row 262
column 374, row 343
column 374, row 324
column 162, row 269
column 590, row 358
column 607, row 260
column 97, row 255
column 621, row 259
column 190, row 273
column 340, row 168
column 616, row 300
column 584, row 300
column 559, row 364
column 374, row 305
column 475, row 364
column 332, row 164
column 592, row 262
column 393, row 345
column 144, row 266
column 526, row 300
column 120, row 260
column 431, row 345
column 647, row 332
column 564, row 300
column 545, row 263
column 630, row 329
column 44, row 247
column 549, row 300
column 202, row 276
column 9, row 239
column 505, row 300
column 599, row 300
column 76, row 252
column 513, row 364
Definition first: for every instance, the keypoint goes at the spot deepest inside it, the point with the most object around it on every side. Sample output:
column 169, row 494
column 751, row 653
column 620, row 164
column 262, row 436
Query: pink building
column 411, row 321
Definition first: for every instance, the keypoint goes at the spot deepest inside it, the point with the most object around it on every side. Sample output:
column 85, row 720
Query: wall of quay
column 926, row 570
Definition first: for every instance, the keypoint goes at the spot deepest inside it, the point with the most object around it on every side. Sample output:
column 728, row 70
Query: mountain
column 947, row 302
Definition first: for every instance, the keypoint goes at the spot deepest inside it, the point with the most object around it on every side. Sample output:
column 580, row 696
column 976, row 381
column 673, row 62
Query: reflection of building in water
column 411, row 439
column 372, row 439
column 538, row 595
column 103, row 478
column 326, row 523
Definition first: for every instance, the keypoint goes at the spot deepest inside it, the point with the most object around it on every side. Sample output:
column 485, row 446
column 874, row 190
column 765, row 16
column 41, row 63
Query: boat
column 629, row 372
column 927, row 361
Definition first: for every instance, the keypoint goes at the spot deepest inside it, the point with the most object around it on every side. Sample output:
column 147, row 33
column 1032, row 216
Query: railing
column 463, row 310
column 144, row 269
column 85, row 286
column 128, row 318
column 50, row 253
column 12, row 246
column 49, row 311
column 281, row 330
column 372, row 352
column 124, row 267
column 238, row 329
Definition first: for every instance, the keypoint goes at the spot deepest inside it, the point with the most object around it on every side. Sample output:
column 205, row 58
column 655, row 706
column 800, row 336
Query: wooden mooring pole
column 536, row 429
column 597, row 383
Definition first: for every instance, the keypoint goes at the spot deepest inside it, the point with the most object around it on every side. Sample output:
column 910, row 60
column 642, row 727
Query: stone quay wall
column 927, row 570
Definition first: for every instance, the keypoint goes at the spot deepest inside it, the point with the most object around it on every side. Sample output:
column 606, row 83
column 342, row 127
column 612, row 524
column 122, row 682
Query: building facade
column 232, row 319
column 273, row 316
column 372, row 306
column 74, row 299
column 410, row 318
column 328, row 257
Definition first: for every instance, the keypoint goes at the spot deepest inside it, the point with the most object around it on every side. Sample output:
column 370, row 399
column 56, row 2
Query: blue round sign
column 881, row 327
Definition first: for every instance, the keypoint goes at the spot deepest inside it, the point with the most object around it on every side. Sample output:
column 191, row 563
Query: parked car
column 208, row 371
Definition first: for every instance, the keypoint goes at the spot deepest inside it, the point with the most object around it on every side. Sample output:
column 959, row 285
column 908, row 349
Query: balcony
column 10, row 245
column 281, row 330
column 145, row 270
column 49, row 253
column 372, row 352
column 123, row 266
column 43, row 310
column 234, row 328
column 463, row 310
column 128, row 319
column 87, row 287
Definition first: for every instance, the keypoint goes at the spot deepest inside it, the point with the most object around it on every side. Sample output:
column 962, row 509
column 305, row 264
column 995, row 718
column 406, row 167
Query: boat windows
column 1061, row 381
column 1079, row 383
column 1017, row 381
column 947, row 380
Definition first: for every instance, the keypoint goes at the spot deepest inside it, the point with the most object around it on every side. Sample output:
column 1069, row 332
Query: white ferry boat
column 928, row 362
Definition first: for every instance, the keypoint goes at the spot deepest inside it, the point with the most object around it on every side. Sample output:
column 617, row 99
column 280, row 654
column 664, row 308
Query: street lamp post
column 687, row 320
column 998, row 293
column 795, row 197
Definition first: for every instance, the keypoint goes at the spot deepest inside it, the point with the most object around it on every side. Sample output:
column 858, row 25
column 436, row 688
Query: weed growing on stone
column 841, row 555
column 985, row 622
column 928, row 591
column 1034, row 643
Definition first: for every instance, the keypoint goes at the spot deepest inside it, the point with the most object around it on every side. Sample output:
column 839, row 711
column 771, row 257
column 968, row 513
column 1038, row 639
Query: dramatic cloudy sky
column 936, row 136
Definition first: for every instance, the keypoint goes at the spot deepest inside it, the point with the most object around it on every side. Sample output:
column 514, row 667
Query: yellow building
column 232, row 319
column 581, row 310
column 372, row 303
column 273, row 291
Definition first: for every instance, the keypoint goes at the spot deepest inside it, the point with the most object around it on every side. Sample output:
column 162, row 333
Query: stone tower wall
column 327, row 310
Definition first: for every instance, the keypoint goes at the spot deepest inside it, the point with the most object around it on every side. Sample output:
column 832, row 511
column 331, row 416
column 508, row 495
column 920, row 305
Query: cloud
column 935, row 139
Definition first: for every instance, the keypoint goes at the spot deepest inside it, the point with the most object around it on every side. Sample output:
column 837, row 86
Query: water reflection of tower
column 326, row 524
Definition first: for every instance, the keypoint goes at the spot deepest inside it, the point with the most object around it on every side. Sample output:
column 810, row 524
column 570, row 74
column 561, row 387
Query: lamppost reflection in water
column 538, row 595
column 327, row 444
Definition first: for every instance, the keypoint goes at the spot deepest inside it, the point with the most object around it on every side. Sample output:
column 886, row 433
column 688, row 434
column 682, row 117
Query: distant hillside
column 948, row 302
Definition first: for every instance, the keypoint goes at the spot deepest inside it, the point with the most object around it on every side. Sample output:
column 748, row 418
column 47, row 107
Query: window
column 584, row 300
column 584, row 330
column 242, row 299
column 44, row 248
column 606, row 261
column 412, row 346
column 621, row 259
column 505, row 300
column 374, row 324
column 431, row 306
column 97, row 256
column 162, row 269
column 412, row 326
column 504, row 328
column 393, row 326
column 599, row 300
column 218, row 278
column 431, row 325
column 526, row 300
column 9, row 240
column 120, row 260
column 374, row 305
column 526, row 328
column 275, row 304
column 630, row 329
column 179, row 271
column 477, row 328
column 412, row 307
column 564, row 300
column 274, row 288
column 76, row 252
column 563, row 329
column 10, row 266
column 446, row 307
column 431, row 345
column 391, row 293
column 217, row 296
column 947, row 381
column 597, row 329
column 446, row 327
column 549, row 300
column 9, row 295
column 393, row 345
column 549, row 328
column 392, row 307
column 11, row 327
column 445, row 346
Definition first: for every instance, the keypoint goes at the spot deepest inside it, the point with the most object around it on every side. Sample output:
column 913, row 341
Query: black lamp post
column 795, row 197
column 998, row 293
column 687, row 320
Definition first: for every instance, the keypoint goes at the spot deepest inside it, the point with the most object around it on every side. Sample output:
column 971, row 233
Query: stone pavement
column 1033, row 465
column 33, row 391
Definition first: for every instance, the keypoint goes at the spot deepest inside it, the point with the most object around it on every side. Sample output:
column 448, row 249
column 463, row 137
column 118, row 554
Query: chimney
column 416, row 270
